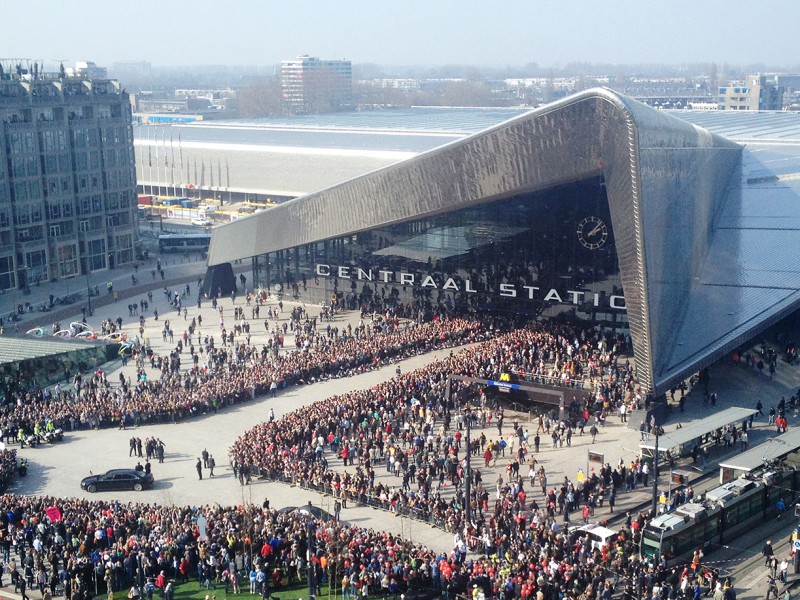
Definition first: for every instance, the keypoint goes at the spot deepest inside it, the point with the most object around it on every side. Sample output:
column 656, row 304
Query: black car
column 118, row 479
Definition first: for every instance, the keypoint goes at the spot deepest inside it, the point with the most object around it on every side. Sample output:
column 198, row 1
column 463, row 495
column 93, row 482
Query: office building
column 313, row 85
column 67, row 186
column 757, row 93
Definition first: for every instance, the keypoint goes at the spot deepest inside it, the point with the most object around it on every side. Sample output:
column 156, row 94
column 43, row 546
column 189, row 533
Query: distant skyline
column 511, row 33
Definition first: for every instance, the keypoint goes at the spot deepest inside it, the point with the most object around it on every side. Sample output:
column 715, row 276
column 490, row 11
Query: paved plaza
column 56, row 470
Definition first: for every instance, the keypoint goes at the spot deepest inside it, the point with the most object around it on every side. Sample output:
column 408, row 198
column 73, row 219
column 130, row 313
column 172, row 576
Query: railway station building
column 596, row 208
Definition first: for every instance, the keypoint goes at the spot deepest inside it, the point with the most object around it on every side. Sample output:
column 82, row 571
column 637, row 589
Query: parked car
column 203, row 222
column 118, row 479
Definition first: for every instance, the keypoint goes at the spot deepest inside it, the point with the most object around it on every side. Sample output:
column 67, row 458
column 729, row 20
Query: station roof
column 14, row 349
column 770, row 449
column 697, row 429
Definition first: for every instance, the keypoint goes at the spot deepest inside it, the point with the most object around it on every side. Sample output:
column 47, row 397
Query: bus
column 184, row 242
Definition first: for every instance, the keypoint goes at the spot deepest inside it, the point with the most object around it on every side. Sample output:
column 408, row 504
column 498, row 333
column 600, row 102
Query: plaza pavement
column 56, row 470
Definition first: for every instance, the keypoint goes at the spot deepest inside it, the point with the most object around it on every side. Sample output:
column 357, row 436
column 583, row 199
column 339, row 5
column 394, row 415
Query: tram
column 718, row 516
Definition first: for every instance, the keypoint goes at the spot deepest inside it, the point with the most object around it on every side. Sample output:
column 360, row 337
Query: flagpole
column 158, row 164
column 150, row 159
column 228, row 179
column 172, row 162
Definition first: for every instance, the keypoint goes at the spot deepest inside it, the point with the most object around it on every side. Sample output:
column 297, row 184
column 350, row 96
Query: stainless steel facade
column 667, row 183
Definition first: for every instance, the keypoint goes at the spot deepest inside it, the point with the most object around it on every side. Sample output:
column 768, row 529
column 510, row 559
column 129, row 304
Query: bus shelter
column 680, row 442
column 772, row 451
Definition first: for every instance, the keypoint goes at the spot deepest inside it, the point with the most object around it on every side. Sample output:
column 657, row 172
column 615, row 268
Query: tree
column 466, row 93
column 262, row 98
column 325, row 90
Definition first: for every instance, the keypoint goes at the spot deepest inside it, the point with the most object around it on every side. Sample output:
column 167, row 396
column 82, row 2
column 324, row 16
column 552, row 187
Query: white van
column 599, row 536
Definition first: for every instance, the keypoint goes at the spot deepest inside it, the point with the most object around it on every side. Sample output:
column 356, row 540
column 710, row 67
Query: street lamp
column 468, row 474
column 655, row 472
column 311, row 552
column 88, row 291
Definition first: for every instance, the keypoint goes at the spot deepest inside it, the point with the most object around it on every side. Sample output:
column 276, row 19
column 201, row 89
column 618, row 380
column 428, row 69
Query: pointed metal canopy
column 665, row 178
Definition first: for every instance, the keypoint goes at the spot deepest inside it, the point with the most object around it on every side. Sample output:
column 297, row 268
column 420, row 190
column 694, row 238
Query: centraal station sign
column 507, row 290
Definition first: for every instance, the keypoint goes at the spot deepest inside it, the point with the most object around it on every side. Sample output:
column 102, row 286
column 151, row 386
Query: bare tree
column 262, row 98
column 325, row 90
column 466, row 93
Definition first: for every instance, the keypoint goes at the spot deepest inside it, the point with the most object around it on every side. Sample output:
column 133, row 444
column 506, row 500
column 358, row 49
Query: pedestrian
column 772, row 587
column 204, row 454
column 211, row 464
column 594, row 431
column 767, row 552
column 199, row 467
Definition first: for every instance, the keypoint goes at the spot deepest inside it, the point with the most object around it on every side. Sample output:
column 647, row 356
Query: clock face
column 592, row 233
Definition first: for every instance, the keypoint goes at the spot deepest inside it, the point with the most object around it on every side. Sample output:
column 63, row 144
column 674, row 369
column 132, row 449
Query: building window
column 67, row 261
column 23, row 215
column 7, row 275
column 97, row 254
column 124, row 249
column 55, row 230
column 36, row 261
column 67, row 209
column 54, row 211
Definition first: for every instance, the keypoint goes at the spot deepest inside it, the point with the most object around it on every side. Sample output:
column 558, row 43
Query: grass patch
column 191, row 591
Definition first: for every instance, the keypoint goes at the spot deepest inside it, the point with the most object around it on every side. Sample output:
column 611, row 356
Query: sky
column 495, row 33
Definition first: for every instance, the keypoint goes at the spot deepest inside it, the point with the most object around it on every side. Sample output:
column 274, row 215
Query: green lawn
column 191, row 591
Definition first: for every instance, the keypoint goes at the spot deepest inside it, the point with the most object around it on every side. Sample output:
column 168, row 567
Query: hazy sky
column 406, row 32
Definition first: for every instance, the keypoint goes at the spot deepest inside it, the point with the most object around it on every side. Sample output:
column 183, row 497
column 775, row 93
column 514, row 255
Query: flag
column 53, row 513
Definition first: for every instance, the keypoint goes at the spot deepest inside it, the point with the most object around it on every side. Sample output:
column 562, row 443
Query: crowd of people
column 8, row 467
column 413, row 429
column 232, row 372
column 85, row 546
column 410, row 426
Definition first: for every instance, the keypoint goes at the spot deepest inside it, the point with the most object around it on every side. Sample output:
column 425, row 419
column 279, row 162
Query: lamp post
column 312, row 588
column 88, row 291
column 655, row 471
column 468, row 474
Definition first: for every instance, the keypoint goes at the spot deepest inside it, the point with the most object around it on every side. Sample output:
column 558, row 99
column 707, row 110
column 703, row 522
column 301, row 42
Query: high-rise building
column 756, row 94
column 311, row 85
column 67, row 179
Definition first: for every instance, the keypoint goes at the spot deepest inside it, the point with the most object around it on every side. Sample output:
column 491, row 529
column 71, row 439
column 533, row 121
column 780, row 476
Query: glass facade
column 549, row 253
